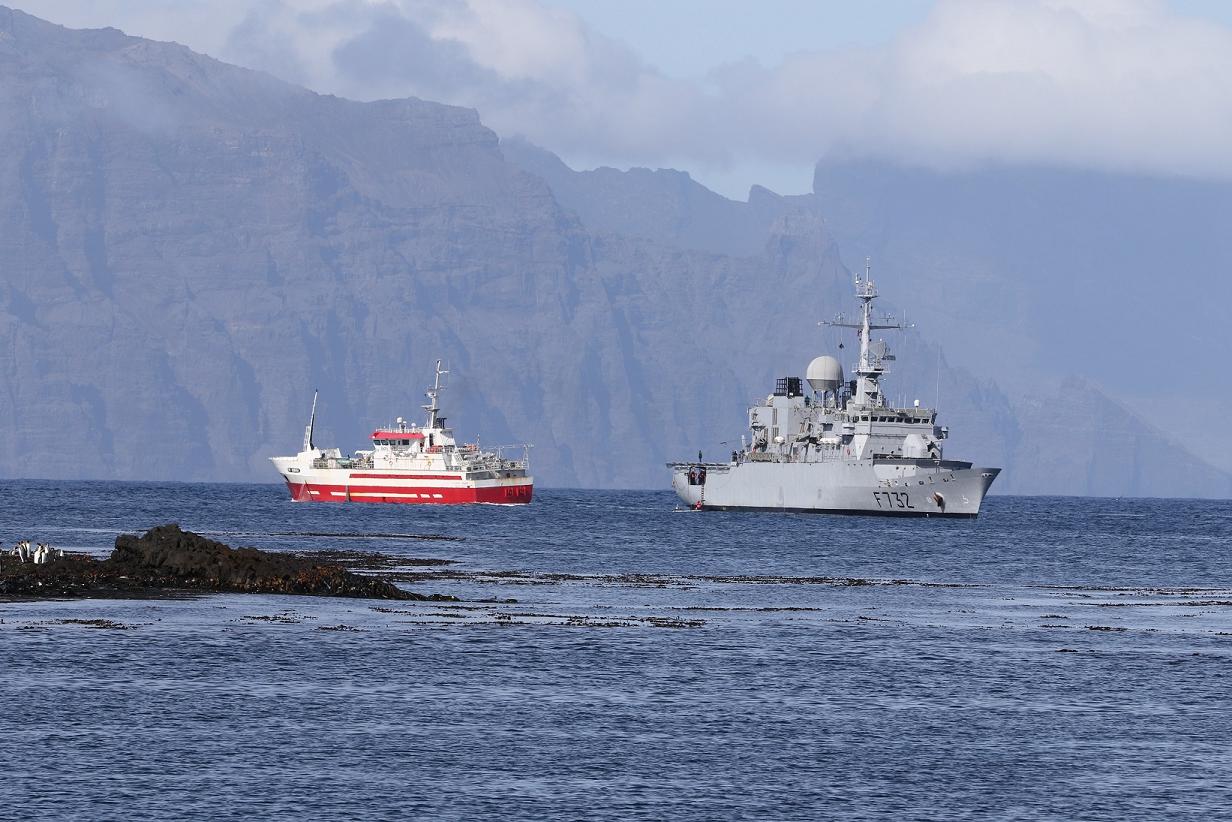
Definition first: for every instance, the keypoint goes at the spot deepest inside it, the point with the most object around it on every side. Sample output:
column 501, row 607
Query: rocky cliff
column 664, row 205
column 1052, row 435
column 188, row 249
column 1119, row 279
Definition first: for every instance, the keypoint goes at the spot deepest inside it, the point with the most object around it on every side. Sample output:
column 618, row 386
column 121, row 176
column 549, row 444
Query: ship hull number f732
column 893, row 499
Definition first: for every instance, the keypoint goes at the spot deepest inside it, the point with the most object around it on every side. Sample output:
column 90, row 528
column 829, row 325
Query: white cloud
column 1107, row 84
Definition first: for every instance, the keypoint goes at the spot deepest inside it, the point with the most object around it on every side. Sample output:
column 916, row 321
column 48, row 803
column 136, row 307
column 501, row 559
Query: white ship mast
column 312, row 419
column 873, row 353
column 433, row 407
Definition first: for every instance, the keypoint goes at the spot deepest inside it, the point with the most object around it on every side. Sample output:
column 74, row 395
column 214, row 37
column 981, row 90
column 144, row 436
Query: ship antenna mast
column 867, row 292
column 312, row 419
column 433, row 407
column 871, row 365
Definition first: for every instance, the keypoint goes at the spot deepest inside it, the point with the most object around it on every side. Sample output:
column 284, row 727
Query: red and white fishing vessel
column 408, row 463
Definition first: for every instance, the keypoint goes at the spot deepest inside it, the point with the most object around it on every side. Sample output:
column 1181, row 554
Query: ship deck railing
column 497, row 464
column 342, row 462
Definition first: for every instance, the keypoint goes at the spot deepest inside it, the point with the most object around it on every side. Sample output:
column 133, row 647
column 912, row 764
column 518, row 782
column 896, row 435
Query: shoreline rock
column 167, row 560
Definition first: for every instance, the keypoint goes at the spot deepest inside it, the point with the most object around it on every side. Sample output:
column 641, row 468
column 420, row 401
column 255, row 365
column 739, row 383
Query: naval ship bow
column 839, row 446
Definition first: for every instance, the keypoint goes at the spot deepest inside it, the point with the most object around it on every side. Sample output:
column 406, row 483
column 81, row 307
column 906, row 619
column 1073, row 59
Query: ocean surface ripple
column 613, row 657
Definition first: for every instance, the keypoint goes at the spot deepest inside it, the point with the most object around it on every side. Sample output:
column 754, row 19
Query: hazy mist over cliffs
column 189, row 248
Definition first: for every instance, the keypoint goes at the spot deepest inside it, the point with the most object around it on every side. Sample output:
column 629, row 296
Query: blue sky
column 687, row 38
column 720, row 31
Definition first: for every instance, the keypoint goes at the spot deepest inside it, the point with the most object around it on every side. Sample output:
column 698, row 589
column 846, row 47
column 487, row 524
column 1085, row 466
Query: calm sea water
column 1054, row 659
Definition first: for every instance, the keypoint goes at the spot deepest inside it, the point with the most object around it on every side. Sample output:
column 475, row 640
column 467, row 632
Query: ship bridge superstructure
column 823, row 417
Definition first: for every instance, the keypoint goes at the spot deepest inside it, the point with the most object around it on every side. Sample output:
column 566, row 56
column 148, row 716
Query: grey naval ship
column 839, row 447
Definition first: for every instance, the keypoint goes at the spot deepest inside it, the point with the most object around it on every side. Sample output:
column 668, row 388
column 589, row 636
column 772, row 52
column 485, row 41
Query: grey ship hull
column 887, row 487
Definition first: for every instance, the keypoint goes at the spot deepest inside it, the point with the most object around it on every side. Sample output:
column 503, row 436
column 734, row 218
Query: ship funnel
column 824, row 374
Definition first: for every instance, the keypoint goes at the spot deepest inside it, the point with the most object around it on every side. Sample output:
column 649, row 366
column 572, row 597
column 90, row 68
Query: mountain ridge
column 221, row 243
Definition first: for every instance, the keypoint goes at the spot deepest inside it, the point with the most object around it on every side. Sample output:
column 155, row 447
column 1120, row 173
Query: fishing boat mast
column 312, row 419
column 433, row 407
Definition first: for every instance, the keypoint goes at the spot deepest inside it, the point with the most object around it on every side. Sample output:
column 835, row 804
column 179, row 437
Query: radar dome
column 824, row 374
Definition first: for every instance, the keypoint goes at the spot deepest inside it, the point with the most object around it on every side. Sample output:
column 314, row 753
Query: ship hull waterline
column 399, row 488
column 900, row 489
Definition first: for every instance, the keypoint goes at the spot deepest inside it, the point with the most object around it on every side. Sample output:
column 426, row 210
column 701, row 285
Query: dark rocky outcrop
column 167, row 559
